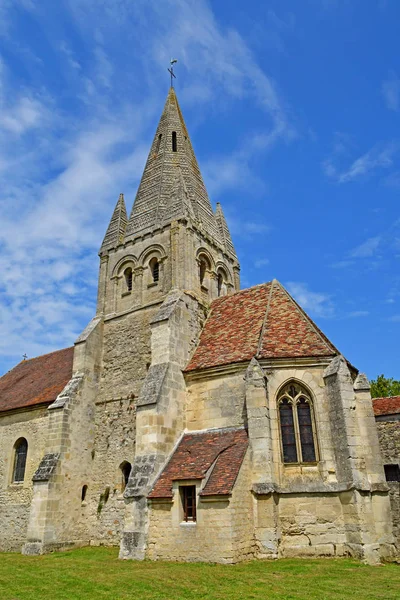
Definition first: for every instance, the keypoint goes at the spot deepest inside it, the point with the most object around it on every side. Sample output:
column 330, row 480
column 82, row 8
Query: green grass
column 97, row 574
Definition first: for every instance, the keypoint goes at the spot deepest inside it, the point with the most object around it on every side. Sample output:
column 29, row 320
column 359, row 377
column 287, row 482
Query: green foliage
column 383, row 387
column 97, row 574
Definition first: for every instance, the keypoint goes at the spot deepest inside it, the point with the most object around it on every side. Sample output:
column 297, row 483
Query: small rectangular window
column 392, row 472
column 188, row 496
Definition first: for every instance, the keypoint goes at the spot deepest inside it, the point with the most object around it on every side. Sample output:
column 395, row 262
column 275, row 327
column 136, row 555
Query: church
column 192, row 420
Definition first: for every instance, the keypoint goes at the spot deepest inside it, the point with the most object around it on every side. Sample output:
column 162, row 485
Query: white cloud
column 391, row 91
column 395, row 319
column 357, row 314
column 367, row 248
column 317, row 303
column 261, row 262
column 377, row 158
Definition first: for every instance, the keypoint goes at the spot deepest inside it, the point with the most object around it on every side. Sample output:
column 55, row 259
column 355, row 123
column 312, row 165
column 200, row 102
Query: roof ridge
column 26, row 360
column 309, row 321
column 261, row 338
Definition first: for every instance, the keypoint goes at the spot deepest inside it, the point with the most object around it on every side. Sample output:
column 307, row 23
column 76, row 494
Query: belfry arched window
column 20, row 454
column 297, row 425
column 155, row 269
column 128, row 278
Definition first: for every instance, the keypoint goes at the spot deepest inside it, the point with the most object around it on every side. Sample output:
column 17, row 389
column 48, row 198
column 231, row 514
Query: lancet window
column 297, row 425
column 21, row 451
column 128, row 278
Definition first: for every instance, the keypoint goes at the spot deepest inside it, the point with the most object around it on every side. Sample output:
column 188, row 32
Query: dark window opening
column 126, row 471
column 158, row 143
column 21, row 451
column 155, row 269
column 83, row 493
column 203, row 268
column 188, row 495
column 128, row 278
column 174, row 142
column 220, row 282
column 288, row 432
column 306, row 431
column 392, row 472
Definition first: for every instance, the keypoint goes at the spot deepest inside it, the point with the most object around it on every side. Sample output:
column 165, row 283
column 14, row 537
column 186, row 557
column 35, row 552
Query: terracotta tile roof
column 222, row 449
column 386, row 406
column 262, row 321
column 36, row 381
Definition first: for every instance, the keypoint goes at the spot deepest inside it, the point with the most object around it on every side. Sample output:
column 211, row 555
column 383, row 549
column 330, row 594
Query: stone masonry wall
column 15, row 498
column 389, row 440
column 216, row 402
column 125, row 361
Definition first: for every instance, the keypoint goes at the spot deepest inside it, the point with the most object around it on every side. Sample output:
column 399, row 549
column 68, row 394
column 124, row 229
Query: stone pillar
column 259, row 429
column 102, row 288
column 138, row 285
column 236, row 275
column 364, row 497
column 160, row 412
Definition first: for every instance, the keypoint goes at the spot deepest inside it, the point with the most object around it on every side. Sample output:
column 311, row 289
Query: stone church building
column 192, row 420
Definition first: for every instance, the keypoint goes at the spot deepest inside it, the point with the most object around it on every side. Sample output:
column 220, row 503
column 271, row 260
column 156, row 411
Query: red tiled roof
column 386, row 406
column 36, row 381
column 262, row 321
column 224, row 449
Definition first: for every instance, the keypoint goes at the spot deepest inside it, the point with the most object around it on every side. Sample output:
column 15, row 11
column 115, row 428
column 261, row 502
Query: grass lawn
column 97, row 574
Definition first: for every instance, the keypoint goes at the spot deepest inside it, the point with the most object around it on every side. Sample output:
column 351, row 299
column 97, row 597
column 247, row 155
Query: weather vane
column 171, row 70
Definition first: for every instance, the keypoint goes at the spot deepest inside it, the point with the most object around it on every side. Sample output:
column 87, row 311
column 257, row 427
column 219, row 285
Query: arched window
column 155, row 269
column 128, row 278
column 220, row 281
column 203, row 269
column 297, row 425
column 21, row 451
column 174, row 142
column 125, row 468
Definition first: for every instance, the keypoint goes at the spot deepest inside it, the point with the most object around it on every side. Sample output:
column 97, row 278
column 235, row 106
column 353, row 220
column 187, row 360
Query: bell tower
column 172, row 239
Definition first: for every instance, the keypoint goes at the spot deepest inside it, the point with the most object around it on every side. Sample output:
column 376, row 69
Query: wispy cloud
column 391, row 91
column 261, row 262
column 317, row 303
column 367, row 248
column 379, row 157
column 356, row 314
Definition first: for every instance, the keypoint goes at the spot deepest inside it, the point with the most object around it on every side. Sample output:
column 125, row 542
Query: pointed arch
column 20, row 455
column 297, row 423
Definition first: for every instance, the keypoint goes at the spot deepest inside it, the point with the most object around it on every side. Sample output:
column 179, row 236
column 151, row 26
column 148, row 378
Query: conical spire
column 116, row 229
column 223, row 230
column 171, row 164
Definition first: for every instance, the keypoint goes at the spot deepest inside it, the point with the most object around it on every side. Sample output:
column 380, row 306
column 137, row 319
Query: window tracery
column 297, row 426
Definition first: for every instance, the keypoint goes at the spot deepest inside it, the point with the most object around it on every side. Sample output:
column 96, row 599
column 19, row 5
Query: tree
column 383, row 387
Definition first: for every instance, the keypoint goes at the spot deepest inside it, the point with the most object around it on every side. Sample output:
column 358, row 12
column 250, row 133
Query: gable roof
column 36, row 381
column 222, row 449
column 386, row 406
column 262, row 321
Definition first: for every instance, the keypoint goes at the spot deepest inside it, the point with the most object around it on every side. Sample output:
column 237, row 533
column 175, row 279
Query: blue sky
column 293, row 109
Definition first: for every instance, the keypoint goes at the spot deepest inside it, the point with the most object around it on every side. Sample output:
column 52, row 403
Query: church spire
column 171, row 165
column 223, row 229
column 116, row 229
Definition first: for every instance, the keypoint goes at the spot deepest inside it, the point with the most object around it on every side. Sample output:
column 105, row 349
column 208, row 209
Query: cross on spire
column 171, row 70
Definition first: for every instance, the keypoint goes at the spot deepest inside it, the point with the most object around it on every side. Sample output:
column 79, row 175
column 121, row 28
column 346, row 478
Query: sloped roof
column 262, row 321
column 222, row 449
column 386, row 406
column 36, row 381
